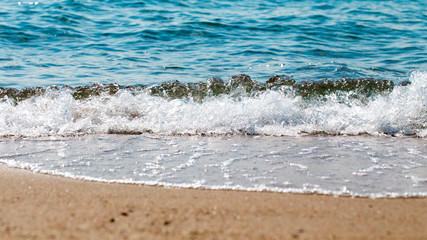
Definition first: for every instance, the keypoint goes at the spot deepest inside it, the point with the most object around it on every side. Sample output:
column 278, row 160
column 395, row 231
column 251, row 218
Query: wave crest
column 279, row 107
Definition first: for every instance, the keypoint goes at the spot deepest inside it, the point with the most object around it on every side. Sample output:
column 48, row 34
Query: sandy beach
column 38, row 206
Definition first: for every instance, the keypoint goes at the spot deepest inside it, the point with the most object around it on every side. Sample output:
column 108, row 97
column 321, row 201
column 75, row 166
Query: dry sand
column 38, row 206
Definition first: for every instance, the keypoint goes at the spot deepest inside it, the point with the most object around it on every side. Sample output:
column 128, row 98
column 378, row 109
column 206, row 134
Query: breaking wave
column 279, row 107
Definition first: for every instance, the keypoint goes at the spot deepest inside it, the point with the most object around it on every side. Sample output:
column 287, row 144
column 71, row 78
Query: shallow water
column 357, row 166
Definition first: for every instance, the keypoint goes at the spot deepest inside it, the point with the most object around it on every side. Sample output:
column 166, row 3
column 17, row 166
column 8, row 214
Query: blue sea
column 286, row 96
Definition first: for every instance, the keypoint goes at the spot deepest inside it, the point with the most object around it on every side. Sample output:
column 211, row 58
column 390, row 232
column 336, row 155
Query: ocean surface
column 288, row 96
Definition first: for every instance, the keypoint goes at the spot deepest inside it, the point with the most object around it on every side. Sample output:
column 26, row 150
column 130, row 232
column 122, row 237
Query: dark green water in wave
column 238, row 86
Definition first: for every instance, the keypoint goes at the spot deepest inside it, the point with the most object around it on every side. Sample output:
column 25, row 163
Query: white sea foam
column 402, row 112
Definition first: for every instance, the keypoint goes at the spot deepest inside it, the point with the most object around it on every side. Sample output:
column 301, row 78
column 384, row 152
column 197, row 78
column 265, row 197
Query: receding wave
column 280, row 107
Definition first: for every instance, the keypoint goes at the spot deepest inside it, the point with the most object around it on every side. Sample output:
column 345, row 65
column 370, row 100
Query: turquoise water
column 294, row 96
column 132, row 42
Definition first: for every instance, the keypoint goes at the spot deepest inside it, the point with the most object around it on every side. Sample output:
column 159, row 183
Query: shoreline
column 41, row 206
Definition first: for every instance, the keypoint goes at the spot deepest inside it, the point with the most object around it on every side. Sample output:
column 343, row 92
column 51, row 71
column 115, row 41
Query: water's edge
column 374, row 167
column 166, row 186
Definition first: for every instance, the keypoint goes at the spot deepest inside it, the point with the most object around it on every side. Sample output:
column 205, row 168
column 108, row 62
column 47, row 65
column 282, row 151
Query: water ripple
column 139, row 42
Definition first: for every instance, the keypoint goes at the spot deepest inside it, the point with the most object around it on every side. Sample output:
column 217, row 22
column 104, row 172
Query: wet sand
column 38, row 206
